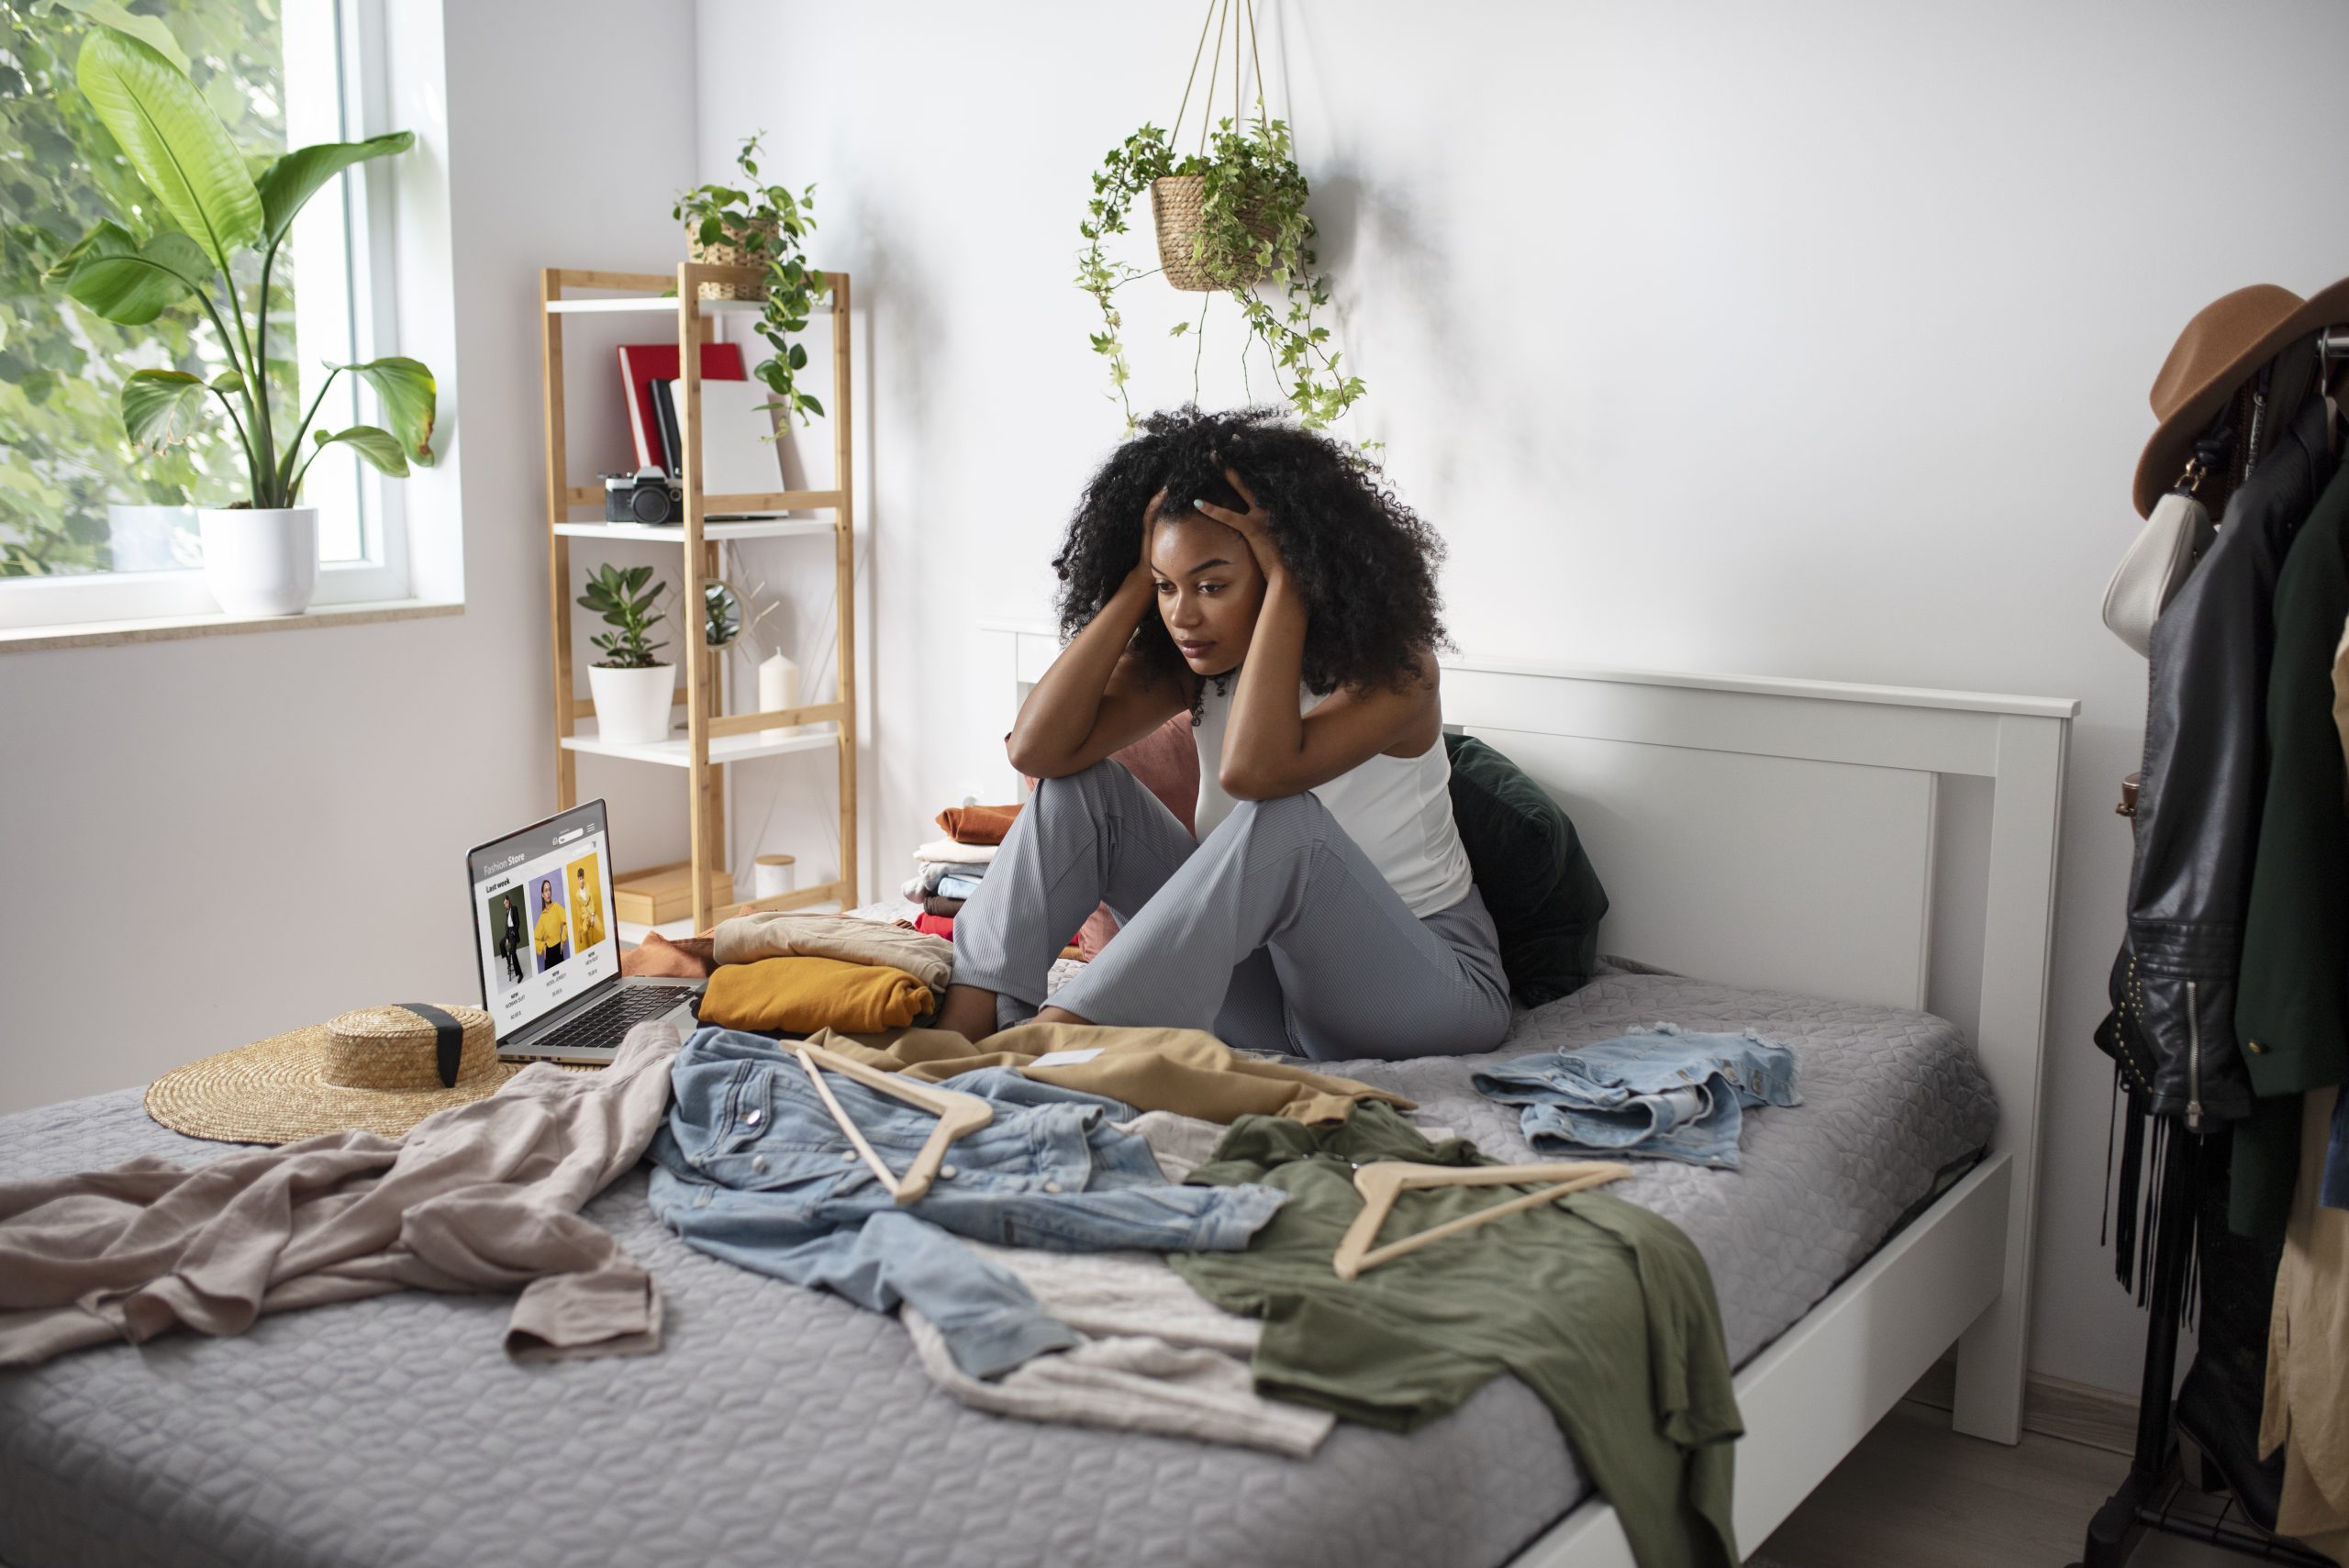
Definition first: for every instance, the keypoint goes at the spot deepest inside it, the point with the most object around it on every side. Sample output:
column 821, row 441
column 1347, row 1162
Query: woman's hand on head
column 1249, row 525
column 1149, row 527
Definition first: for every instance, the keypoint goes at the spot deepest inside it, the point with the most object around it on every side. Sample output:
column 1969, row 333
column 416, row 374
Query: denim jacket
column 1661, row 1091
column 751, row 1168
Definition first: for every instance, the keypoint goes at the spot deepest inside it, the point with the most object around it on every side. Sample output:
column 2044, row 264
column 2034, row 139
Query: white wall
column 202, row 843
column 1803, row 339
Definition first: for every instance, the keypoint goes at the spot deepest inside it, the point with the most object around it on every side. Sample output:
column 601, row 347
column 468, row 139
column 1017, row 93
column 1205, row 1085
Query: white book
column 738, row 446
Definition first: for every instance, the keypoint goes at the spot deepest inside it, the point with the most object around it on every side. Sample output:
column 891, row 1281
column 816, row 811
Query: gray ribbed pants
column 1276, row 933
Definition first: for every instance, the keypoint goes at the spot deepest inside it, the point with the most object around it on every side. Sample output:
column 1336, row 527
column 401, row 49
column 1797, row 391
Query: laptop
column 547, row 938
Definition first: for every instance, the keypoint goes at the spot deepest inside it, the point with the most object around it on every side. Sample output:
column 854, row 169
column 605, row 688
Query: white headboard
column 1782, row 833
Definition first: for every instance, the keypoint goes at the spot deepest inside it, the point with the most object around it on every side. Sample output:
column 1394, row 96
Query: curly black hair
column 1364, row 561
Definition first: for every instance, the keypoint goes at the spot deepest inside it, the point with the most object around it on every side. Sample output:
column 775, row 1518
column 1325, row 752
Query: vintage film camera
column 647, row 495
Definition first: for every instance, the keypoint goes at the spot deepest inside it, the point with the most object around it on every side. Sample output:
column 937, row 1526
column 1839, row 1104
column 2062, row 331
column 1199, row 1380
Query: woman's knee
column 1277, row 807
column 1084, row 791
column 1087, row 783
column 1301, row 814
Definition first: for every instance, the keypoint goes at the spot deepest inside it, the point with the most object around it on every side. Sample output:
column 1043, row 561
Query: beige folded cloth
column 746, row 938
column 1188, row 1071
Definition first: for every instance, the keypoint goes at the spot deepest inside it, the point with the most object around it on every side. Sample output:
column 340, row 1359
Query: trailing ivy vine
column 770, row 226
column 1253, row 231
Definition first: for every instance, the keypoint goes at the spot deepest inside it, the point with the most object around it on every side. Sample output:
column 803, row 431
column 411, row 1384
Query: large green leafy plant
column 770, row 226
column 61, row 366
column 188, row 229
column 1253, row 232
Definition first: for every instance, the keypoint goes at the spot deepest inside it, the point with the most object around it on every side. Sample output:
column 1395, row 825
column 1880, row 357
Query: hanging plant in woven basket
column 1230, row 219
column 767, row 226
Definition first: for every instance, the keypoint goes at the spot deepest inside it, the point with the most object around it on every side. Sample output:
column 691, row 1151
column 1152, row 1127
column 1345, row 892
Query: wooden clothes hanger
column 957, row 1114
column 1382, row 1182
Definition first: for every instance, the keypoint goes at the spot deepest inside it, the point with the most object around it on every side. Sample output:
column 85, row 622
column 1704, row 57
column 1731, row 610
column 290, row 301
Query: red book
column 642, row 364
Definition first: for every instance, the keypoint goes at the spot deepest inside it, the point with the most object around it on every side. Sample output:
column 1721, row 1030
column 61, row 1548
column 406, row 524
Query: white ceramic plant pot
column 632, row 706
column 150, row 538
column 260, row 561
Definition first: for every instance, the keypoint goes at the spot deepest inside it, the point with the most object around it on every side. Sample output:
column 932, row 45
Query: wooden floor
column 1918, row 1495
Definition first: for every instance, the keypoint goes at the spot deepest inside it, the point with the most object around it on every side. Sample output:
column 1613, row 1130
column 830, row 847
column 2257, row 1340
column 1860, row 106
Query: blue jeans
column 751, row 1168
column 1661, row 1091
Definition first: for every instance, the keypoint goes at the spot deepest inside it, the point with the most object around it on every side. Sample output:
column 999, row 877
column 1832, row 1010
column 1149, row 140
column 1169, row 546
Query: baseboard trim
column 2052, row 1406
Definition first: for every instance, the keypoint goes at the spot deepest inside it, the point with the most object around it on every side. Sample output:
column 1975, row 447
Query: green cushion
column 1528, row 863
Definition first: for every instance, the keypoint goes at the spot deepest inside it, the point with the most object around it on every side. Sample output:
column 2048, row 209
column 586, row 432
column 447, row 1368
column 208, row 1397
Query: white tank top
column 1397, row 808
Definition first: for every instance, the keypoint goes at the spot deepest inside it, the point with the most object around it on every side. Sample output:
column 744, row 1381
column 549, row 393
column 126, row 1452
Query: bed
column 1873, row 1227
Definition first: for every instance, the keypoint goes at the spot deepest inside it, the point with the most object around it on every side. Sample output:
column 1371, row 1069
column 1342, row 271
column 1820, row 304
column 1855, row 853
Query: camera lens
column 649, row 504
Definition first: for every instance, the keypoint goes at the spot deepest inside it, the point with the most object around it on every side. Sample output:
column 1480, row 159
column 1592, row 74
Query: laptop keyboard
column 600, row 1029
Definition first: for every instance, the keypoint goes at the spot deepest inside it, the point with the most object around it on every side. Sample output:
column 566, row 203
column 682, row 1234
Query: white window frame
column 336, row 90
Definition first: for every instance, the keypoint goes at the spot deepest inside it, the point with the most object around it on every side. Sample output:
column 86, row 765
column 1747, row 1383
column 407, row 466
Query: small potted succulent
column 633, row 690
column 764, row 226
column 1230, row 219
column 205, row 204
column 721, row 619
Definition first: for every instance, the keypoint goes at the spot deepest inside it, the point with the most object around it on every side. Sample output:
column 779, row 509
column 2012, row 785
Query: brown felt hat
column 375, row 1070
column 2228, row 339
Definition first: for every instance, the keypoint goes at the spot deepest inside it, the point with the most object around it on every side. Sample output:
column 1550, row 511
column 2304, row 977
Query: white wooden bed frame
column 1782, row 833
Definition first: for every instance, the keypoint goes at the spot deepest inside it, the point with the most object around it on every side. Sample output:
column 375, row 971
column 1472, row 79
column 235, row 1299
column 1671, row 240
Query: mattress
column 777, row 1425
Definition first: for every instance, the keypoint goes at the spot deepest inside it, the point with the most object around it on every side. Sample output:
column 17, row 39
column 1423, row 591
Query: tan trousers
column 2307, row 1407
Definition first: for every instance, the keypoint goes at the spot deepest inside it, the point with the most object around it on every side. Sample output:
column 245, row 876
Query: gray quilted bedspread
column 780, row 1427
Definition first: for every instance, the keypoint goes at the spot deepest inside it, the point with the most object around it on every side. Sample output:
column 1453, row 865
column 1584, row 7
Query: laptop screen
column 544, row 921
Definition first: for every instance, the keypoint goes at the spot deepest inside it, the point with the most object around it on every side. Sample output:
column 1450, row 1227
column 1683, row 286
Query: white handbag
column 2156, row 566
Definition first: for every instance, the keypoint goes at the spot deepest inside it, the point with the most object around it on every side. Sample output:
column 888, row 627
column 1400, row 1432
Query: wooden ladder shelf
column 695, row 320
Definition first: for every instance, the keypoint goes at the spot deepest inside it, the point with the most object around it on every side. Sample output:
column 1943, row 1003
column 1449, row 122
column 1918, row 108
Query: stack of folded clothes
column 798, row 973
column 947, row 871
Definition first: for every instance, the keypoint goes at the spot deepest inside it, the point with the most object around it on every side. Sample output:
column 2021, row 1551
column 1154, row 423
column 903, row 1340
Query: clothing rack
column 2147, row 1499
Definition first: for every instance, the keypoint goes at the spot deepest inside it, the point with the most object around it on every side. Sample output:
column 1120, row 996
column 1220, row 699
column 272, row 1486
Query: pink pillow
column 1167, row 761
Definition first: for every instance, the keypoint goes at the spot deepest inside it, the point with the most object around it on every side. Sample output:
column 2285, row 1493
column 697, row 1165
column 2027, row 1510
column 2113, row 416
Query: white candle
column 778, row 688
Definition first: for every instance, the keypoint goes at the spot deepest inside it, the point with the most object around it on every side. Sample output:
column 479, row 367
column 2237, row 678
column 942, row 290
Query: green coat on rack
column 2292, row 1003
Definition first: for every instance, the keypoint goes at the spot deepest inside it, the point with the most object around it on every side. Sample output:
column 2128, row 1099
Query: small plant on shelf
column 764, row 226
column 633, row 690
column 1230, row 217
column 621, row 596
column 721, row 621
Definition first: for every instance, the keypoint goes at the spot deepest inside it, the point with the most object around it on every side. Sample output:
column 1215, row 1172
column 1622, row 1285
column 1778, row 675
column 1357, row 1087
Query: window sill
column 171, row 628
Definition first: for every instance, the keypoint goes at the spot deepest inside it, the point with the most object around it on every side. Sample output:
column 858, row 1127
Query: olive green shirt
column 1605, row 1310
column 2292, row 996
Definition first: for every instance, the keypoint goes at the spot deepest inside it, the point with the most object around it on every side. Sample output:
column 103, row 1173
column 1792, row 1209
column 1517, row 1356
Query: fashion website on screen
column 544, row 915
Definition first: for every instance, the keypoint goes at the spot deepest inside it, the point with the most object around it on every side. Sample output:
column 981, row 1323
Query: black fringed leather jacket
column 2198, row 808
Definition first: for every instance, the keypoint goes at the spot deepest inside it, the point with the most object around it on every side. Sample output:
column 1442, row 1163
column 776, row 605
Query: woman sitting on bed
column 1257, row 577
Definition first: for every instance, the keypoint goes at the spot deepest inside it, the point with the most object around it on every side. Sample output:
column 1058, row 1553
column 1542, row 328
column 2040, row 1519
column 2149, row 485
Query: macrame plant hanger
column 1174, row 201
column 1219, row 14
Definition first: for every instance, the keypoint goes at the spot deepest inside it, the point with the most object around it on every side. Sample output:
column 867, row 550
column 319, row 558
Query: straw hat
column 2228, row 339
column 375, row 1070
